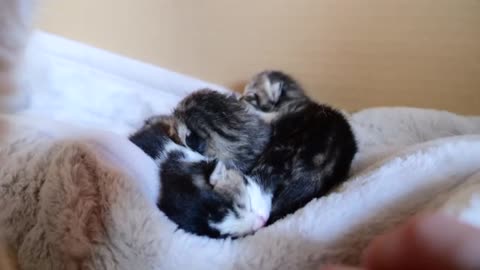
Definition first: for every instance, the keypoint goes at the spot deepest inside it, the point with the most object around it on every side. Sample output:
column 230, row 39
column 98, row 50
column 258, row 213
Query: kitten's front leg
column 267, row 117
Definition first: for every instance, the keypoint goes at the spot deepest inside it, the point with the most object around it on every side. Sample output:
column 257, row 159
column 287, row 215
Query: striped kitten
column 311, row 147
column 222, row 127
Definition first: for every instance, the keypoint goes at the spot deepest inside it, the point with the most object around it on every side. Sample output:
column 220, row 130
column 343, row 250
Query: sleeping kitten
column 309, row 151
column 221, row 127
column 194, row 192
column 311, row 147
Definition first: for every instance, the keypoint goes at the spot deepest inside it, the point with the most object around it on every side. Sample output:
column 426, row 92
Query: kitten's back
column 311, row 148
column 318, row 145
column 232, row 133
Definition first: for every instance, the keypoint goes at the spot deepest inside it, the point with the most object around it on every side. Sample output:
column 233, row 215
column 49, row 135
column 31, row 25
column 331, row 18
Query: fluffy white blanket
column 71, row 200
column 78, row 198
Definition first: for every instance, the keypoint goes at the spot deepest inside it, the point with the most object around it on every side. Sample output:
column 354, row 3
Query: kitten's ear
column 219, row 174
column 210, row 167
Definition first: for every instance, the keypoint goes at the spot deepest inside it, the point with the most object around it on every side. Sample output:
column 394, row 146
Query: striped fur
column 311, row 148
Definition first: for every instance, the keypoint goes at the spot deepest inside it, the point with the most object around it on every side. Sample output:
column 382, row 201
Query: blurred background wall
column 350, row 53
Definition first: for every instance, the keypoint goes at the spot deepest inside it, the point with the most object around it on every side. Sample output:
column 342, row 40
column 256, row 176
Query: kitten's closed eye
column 253, row 99
column 240, row 205
column 196, row 143
column 267, row 107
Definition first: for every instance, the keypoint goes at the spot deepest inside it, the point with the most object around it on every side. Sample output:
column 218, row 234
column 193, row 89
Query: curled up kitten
column 221, row 127
column 311, row 147
column 199, row 194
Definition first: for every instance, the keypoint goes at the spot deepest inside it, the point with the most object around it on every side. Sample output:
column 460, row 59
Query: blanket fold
column 71, row 200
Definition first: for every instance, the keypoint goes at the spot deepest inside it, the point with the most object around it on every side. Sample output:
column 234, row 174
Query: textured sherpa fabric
column 76, row 199
column 57, row 186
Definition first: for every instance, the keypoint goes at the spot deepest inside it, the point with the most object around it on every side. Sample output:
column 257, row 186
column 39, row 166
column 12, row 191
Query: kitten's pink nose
column 263, row 220
column 260, row 222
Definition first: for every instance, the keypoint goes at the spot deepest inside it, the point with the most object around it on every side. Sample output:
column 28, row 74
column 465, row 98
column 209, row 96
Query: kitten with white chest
column 194, row 192
column 311, row 147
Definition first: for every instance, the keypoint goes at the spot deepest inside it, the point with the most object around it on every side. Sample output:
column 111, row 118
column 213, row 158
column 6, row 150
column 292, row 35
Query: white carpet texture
column 75, row 197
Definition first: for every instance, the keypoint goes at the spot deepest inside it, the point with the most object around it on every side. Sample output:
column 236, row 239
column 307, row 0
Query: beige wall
column 352, row 53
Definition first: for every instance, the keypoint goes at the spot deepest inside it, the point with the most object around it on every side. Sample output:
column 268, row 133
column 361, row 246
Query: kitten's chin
column 233, row 226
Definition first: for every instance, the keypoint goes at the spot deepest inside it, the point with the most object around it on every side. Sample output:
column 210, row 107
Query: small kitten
column 222, row 127
column 274, row 91
column 194, row 192
column 311, row 147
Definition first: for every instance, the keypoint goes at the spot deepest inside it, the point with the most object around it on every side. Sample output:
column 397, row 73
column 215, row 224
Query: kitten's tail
column 16, row 19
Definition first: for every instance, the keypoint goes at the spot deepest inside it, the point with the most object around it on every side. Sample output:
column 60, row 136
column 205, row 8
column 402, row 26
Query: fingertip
column 383, row 250
column 370, row 251
column 393, row 246
column 456, row 243
column 427, row 240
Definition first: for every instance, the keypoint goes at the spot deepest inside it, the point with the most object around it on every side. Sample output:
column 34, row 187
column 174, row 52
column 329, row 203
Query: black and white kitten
column 311, row 147
column 199, row 194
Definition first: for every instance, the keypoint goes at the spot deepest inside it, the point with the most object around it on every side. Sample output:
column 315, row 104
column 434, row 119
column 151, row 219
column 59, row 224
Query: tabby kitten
column 222, row 127
column 311, row 147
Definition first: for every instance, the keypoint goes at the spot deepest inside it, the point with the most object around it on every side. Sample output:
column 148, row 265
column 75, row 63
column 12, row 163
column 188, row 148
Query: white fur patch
column 249, row 219
column 183, row 132
column 261, row 202
column 275, row 90
column 190, row 155
column 268, row 117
